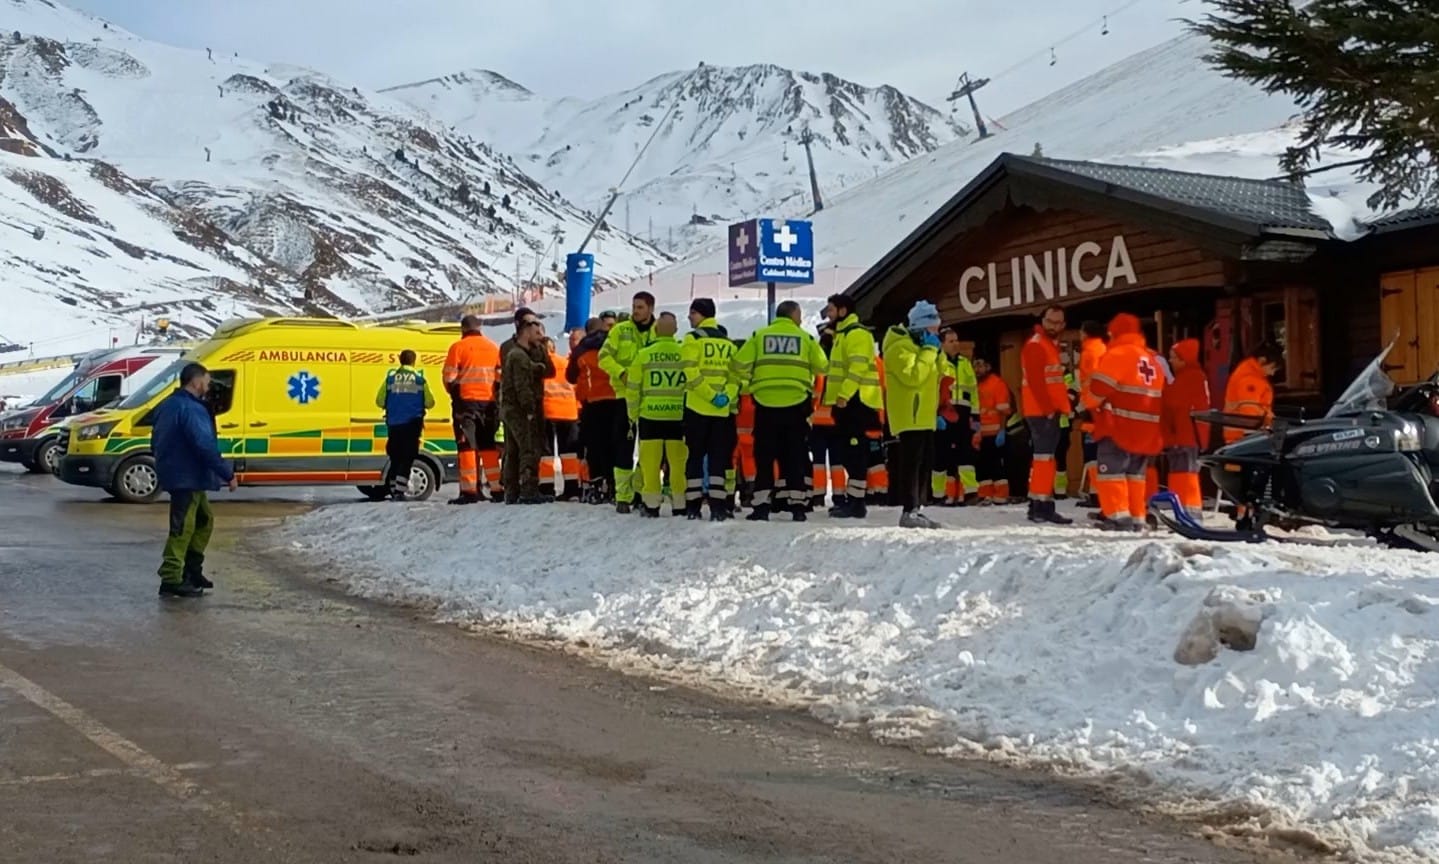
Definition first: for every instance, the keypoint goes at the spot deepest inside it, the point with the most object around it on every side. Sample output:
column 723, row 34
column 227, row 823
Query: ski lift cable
column 1049, row 50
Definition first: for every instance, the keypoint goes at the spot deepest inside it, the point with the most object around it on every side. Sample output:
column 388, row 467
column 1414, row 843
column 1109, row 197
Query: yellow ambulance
column 294, row 405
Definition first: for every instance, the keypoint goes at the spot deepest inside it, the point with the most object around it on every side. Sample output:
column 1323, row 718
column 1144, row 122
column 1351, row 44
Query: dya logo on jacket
column 782, row 345
column 670, row 378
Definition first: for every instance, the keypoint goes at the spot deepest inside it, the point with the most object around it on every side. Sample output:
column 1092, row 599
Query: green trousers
column 191, row 524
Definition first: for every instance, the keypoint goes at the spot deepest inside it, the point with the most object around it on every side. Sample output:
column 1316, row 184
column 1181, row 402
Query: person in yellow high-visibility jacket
column 655, row 394
column 954, row 479
column 778, row 366
column 852, row 388
column 616, row 355
column 709, row 418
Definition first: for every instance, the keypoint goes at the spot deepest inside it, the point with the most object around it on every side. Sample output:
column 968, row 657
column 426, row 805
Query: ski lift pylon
column 1053, row 58
column 1104, row 30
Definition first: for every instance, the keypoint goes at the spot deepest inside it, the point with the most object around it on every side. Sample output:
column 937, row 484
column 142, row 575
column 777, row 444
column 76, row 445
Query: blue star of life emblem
column 304, row 388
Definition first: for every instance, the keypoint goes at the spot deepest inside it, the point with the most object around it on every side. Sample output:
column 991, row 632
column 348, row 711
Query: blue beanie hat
column 923, row 315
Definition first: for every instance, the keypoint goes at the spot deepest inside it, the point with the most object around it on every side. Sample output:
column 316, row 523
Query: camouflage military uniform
column 522, row 390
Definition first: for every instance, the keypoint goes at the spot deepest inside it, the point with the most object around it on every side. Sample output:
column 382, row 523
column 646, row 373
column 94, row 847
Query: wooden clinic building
column 1232, row 262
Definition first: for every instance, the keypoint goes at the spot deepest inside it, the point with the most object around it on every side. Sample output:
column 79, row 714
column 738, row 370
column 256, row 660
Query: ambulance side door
column 298, row 422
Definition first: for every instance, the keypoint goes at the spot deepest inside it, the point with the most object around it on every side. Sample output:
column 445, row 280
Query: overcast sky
column 587, row 48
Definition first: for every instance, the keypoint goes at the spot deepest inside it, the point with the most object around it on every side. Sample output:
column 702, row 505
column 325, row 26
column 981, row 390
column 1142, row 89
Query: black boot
column 465, row 498
column 721, row 511
column 195, row 571
column 650, row 513
column 180, row 589
column 694, row 511
column 759, row 514
column 852, row 508
column 1045, row 512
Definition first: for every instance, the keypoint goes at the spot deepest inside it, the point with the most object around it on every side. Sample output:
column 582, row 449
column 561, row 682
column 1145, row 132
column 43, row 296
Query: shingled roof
column 1412, row 218
column 1267, row 204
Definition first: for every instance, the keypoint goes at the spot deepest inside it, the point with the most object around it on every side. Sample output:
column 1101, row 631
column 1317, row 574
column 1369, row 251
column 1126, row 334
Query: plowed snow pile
column 1294, row 684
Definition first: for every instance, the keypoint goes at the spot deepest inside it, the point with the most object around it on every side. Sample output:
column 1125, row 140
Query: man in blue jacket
column 405, row 397
column 187, row 460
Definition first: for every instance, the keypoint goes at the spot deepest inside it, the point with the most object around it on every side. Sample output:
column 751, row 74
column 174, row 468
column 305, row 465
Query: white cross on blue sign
column 771, row 250
column 786, row 252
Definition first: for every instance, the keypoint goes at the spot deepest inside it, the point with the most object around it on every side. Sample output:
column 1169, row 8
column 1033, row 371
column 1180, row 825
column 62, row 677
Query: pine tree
column 1366, row 73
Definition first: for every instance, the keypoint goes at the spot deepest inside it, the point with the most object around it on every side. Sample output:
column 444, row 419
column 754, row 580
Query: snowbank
column 1050, row 646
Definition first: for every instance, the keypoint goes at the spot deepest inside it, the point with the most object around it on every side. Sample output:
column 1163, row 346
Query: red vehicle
column 31, row 436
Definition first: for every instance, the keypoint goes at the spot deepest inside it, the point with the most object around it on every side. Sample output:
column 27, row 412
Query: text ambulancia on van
column 294, row 405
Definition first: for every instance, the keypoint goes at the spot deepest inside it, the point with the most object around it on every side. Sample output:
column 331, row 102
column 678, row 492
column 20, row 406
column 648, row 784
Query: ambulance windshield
column 54, row 394
column 166, row 380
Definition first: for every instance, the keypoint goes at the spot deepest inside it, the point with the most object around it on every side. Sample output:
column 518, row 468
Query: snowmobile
column 1368, row 465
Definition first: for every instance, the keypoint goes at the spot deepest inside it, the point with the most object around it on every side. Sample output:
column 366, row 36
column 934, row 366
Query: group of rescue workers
column 773, row 422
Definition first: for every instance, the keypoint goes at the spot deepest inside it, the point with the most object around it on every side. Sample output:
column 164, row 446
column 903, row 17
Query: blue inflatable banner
column 579, row 284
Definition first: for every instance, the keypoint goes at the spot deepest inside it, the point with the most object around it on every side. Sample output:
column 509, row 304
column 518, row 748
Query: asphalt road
column 277, row 720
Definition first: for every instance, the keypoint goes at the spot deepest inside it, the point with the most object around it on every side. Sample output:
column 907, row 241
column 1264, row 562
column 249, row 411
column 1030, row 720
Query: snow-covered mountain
column 1129, row 112
column 726, row 140
column 138, row 177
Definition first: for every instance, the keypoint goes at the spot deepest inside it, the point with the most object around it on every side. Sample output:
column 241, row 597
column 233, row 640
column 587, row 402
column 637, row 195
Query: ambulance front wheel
column 136, row 481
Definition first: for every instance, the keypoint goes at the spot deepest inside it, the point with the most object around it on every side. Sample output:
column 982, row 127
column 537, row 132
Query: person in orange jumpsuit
column 1126, row 396
column 995, row 408
column 1045, row 398
column 1249, row 392
column 1091, row 349
column 470, row 376
column 562, row 433
column 1184, row 437
column 744, row 445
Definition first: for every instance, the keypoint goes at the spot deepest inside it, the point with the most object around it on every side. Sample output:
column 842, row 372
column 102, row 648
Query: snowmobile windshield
column 1368, row 392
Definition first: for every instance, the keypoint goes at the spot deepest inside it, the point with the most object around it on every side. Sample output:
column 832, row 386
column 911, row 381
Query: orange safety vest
column 1089, row 354
column 994, row 405
column 823, row 414
column 472, row 368
column 1042, row 388
column 1127, row 396
column 1249, row 393
column 560, row 403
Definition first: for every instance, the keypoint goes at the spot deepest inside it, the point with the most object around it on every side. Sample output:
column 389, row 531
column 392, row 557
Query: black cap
column 704, row 306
